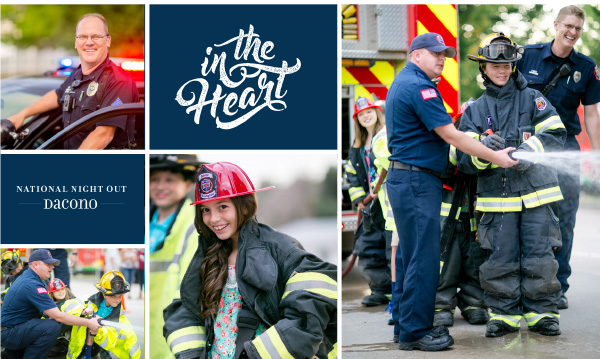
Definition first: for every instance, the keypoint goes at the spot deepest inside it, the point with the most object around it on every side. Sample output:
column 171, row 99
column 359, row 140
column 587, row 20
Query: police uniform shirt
column 26, row 299
column 539, row 66
column 83, row 89
column 414, row 108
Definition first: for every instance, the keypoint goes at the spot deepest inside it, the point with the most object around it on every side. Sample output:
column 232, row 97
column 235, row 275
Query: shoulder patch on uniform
column 428, row 94
column 540, row 102
column 117, row 102
column 596, row 73
column 42, row 290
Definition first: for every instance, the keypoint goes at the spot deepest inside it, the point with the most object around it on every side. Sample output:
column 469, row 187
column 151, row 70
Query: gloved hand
column 522, row 165
column 493, row 142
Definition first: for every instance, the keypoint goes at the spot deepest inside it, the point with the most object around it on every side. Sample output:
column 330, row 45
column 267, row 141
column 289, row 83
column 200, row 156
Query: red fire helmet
column 56, row 284
column 222, row 180
column 363, row 103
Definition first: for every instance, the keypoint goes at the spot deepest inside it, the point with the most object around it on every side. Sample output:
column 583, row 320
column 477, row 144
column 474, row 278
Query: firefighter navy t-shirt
column 414, row 108
column 26, row 299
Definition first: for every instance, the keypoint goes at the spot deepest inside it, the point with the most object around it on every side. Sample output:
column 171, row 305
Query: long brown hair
column 361, row 133
column 213, row 270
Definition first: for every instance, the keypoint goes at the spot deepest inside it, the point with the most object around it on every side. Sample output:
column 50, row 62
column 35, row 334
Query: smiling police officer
column 95, row 84
column 577, row 80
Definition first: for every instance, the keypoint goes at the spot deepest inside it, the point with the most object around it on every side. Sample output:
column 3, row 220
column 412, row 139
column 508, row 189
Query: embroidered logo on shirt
column 117, row 102
column 428, row 94
column 533, row 72
column 540, row 102
column 526, row 136
column 596, row 73
column 42, row 290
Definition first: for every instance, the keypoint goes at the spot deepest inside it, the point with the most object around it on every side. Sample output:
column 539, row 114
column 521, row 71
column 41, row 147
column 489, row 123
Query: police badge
column 92, row 88
column 577, row 76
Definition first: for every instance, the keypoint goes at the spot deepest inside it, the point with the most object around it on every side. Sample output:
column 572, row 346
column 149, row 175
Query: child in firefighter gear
column 519, row 228
column 461, row 254
column 60, row 294
column 12, row 268
column 250, row 291
column 381, row 155
column 173, row 237
column 107, row 304
column 372, row 240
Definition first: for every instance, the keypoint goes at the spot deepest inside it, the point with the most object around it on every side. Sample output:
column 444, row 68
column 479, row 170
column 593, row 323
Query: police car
column 45, row 131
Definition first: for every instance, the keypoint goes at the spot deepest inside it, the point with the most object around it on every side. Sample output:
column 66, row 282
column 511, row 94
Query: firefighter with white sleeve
column 519, row 227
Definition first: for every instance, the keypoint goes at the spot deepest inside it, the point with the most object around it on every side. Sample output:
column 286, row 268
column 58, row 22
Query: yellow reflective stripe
column 356, row 192
column 350, row 168
column 270, row 346
column 541, row 197
column 535, row 144
column 104, row 343
column 187, row 338
column 445, row 209
column 552, row 123
column 512, row 320
column 473, row 135
column 379, row 135
column 134, row 349
column 333, row 353
column 494, row 165
column 313, row 282
column 473, row 224
column 452, row 155
column 498, row 204
column 479, row 164
column 532, row 317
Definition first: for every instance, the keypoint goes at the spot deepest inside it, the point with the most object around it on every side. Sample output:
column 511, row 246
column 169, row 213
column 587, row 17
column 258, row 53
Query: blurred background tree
column 524, row 24
column 54, row 26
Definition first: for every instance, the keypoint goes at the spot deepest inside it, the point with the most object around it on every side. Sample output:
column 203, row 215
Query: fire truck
column 375, row 43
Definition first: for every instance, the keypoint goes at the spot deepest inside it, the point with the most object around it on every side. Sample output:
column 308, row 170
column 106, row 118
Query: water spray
column 567, row 162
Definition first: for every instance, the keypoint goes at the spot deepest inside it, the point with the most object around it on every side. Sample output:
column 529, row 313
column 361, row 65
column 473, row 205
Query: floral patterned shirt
column 226, row 329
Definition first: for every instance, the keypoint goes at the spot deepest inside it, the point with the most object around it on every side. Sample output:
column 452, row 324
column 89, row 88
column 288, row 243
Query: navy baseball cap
column 432, row 42
column 44, row 256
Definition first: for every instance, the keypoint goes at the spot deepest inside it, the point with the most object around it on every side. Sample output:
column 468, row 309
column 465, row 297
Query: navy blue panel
column 34, row 185
column 179, row 38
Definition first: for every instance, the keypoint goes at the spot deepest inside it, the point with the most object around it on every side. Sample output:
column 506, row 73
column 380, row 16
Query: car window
column 13, row 102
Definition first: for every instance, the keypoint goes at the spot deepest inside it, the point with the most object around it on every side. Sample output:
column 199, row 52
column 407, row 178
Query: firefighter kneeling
column 118, row 339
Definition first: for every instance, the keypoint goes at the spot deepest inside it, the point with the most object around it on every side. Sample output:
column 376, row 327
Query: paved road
column 365, row 333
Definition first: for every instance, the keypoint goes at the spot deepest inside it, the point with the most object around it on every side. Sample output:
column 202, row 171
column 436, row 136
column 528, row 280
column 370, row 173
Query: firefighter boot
column 563, row 302
column 375, row 299
column 475, row 315
column 443, row 318
column 437, row 339
column 546, row 326
column 496, row 328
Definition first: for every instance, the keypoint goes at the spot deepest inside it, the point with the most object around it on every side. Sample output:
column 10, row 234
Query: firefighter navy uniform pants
column 30, row 340
column 567, row 210
column 416, row 200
